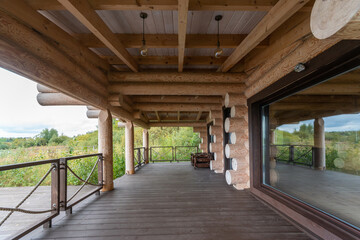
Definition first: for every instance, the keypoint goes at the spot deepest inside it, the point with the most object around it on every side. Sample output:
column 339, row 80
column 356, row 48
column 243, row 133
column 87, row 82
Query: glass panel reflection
column 311, row 143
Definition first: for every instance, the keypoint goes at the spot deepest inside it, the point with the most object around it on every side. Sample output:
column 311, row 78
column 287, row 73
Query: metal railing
column 294, row 154
column 59, row 182
column 171, row 153
column 139, row 156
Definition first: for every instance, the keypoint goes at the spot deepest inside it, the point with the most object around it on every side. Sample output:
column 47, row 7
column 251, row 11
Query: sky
column 22, row 116
column 344, row 122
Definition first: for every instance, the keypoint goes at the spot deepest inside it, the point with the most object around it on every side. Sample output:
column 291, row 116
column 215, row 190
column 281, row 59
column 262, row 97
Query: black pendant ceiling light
column 143, row 49
column 218, row 50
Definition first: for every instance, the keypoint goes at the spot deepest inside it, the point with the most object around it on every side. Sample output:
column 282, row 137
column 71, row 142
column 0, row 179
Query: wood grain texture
column 166, row 201
column 168, row 40
column 83, row 11
column 174, row 77
column 282, row 11
column 183, row 6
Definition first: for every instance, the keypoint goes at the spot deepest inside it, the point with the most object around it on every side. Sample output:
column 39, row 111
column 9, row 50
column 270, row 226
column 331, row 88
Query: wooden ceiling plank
column 83, row 11
column 183, row 6
column 278, row 14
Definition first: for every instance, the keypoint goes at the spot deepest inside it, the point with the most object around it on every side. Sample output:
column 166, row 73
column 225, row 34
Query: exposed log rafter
column 282, row 11
column 183, row 6
column 83, row 11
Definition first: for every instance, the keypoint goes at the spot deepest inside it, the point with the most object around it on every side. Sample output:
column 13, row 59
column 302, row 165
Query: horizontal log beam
column 178, row 124
column 56, row 99
column 194, row 5
column 168, row 40
column 177, row 99
column 168, row 60
column 208, row 89
column 175, row 77
column 183, row 107
column 93, row 113
column 281, row 12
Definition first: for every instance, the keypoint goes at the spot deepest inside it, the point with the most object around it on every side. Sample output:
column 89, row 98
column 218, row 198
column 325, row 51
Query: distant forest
column 48, row 144
column 342, row 148
column 170, row 136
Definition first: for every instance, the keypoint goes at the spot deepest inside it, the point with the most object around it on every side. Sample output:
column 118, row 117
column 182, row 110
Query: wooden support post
column 129, row 148
column 319, row 144
column 106, row 148
column 146, row 145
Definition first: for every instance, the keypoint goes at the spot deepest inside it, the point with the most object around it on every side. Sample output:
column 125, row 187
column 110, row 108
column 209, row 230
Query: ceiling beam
column 207, row 89
column 194, row 5
column 168, row 40
column 176, row 99
column 174, row 77
column 84, row 57
column 198, row 116
column 168, row 107
column 178, row 124
column 158, row 116
column 169, row 60
column 83, row 11
column 183, row 6
column 282, row 11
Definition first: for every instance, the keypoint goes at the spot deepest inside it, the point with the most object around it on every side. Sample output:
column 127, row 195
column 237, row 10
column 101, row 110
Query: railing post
column 139, row 157
column 151, row 154
column 313, row 157
column 100, row 172
column 291, row 152
column 172, row 153
column 55, row 192
column 175, row 154
column 63, row 184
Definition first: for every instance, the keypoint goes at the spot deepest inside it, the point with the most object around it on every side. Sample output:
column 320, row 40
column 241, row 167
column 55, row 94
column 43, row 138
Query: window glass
column 311, row 146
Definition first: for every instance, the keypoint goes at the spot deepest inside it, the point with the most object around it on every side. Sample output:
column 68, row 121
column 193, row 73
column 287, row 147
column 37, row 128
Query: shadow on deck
column 171, row 201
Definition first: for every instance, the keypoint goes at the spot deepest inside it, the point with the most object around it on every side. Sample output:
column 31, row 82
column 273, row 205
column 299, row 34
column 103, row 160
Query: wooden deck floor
column 334, row 192
column 172, row 201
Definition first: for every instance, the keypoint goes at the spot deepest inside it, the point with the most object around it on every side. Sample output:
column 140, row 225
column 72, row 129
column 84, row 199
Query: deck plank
column 172, row 201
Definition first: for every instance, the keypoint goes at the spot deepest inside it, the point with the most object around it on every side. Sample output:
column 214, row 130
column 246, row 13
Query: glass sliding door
column 311, row 146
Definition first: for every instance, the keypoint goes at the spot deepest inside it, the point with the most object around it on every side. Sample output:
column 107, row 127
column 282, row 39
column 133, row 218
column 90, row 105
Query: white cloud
column 22, row 116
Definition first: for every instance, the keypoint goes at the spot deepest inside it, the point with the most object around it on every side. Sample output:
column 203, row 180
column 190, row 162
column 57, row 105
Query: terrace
column 235, row 71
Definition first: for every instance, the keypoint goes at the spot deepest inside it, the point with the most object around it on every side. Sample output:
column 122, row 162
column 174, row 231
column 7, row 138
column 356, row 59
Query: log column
column 238, row 150
column 203, row 136
column 129, row 148
column 216, row 130
column 106, row 148
column 319, row 144
column 146, row 145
